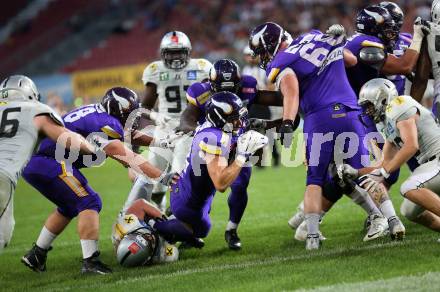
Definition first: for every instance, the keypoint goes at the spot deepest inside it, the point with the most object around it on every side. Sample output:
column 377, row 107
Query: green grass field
column 270, row 258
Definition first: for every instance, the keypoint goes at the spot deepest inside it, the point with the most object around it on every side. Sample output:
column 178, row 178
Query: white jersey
column 434, row 54
column 18, row 134
column 127, row 223
column 172, row 84
column 428, row 131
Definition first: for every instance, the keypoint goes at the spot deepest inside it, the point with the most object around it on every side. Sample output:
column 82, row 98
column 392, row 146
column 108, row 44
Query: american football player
column 218, row 154
column 64, row 185
column 410, row 131
column 310, row 72
column 429, row 62
column 136, row 242
column 24, row 120
column 166, row 82
column 225, row 76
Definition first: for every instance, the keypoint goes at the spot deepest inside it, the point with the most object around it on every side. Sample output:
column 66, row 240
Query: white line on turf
column 423, row 282
column 239, row 266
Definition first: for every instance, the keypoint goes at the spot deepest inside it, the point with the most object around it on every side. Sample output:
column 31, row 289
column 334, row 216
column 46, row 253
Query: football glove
column 286, row 132
column 169, row 141
column 257, row 124
column 169, row 178
column 422, row 25
column 159, row 119
column 347, row 172
column 371, row 181
column 248, row 143
column 336, row 30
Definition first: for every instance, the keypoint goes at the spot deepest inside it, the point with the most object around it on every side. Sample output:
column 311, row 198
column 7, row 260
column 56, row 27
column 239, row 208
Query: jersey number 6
column 12, row 123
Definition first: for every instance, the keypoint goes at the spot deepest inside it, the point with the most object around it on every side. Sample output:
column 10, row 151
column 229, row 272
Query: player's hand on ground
column 336, row 30
column 422, row 26
column 286, row 132
column 170, row 178
column 257, row 124
column 248, row 143
column 347, row 172
column 371, row 181
column 159, row 119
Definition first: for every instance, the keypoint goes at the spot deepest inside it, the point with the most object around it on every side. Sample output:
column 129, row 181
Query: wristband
column 241, row 159
column 384, row 173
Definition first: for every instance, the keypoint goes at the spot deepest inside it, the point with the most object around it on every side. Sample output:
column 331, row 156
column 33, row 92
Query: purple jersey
column 402, row 44
column 361, row 73
column 200, row 92
column 85, row 121
column 195, row 186
column 318, row 62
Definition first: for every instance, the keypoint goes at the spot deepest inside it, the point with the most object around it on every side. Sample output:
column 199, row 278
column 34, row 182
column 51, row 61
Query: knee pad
column 410, row 210
column 332, row 192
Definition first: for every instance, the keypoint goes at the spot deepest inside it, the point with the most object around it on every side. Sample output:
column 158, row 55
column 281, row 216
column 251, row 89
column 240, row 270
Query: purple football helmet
column 265, row 41
column 225, row 111
column 377, row 21
column 225, row 76
column 395, row 11
column 119, row 102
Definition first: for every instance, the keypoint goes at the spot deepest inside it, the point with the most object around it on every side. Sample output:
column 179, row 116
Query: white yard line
column 423, row 282
column 239, row 266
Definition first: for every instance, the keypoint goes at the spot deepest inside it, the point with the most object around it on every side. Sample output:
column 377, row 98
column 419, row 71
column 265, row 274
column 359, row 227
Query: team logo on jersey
column 177, row 77
column 191, row 75
column 164, row 76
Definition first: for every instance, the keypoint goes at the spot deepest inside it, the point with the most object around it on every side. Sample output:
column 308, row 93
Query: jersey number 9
column 172, row 95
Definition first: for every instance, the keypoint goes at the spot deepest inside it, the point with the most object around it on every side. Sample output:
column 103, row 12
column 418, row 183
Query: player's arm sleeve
column 422, row 73
column 407, row 114
column 213, row 142
column 204, row 67
column 42, row 109
column 151, row 74
column 197, row 95
column 106, row 133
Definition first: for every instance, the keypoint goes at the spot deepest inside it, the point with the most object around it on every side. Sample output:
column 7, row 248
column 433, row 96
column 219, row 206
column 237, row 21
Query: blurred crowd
column 220, row 28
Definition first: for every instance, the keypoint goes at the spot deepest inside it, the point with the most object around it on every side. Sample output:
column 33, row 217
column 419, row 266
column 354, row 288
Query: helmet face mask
column 175, row 50
column 225, row 76
column 374, row 97
column 226, row 112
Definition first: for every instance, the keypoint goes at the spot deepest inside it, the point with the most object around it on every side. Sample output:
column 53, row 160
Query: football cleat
column 196, row 243
column 298, row 218
column 93, row 265
column 301, row 233
column 378, row 227
column 35, row 258
column 232, row 239
column 313, row 242
column 397, row 230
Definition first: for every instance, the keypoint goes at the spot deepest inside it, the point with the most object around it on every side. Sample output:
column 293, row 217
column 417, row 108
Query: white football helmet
column 435, row 11
column 19, row 87
column 374, row 97
column 175, row 50
column 136, row 248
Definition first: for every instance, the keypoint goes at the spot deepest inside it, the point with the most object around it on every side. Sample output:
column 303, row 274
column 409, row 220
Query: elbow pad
column 373, row 57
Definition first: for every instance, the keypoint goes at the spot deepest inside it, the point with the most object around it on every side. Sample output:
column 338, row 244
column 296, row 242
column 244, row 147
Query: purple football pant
column 197, row 217
column 68, row 189
column 238, row 197
column 322, row 129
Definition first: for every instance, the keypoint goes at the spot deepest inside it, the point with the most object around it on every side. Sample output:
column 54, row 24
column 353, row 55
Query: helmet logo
column 175, row 39
column 227, row 75
column 257, row 36
column 134, row 248
column 212, row 74
column 124, row 103
column 379, row 18
column 226, row 108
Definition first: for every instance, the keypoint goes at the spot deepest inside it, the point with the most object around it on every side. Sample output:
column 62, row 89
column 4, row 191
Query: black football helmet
column 395, row 11
column 119, row 102
column 377, row 21
column 225, row 76
column 265, row 41
column 225, row 111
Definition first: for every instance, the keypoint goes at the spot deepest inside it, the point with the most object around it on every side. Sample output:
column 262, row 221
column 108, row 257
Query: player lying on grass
column 218, row 154
column 225, row 76
column 410, row 131
column 64, row 185
column 135, row 240
column 24, row 122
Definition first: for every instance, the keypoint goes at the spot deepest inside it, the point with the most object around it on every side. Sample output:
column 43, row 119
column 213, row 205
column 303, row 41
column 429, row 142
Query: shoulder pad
column 373, row 56
column 203, row 65
column 43, row 109
column 198, row 93
column 151, row 73
column 213, row 141
column 112, row 128
column 398, row 106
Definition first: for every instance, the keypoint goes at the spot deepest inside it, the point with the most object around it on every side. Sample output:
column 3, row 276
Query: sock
column 312, row 221
column 173, row 230
column 231, row 225
column 46, row 238
column 387, row 209
column 363, row 199
column 89, row 247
